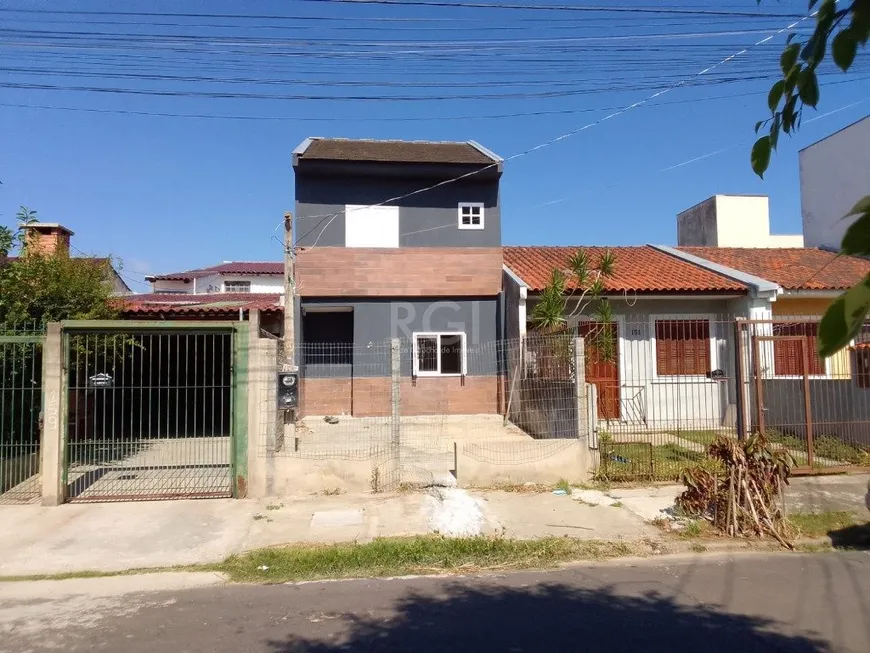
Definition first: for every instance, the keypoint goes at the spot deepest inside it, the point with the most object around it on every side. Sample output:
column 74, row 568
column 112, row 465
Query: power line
column 497, row 116
column 566, row 8
column 567, row 135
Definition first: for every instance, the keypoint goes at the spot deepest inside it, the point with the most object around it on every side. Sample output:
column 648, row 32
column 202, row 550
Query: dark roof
column 235, row 267
column 344, row 149
column 227, row 304
column 793, row 268
column 636, row 269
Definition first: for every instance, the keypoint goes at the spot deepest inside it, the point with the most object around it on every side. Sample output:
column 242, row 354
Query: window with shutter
column 682, row 347
column 788, row 354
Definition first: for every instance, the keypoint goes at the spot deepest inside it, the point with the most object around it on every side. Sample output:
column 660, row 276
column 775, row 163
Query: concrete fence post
column 580, row 400
column 395, row 404
column 52, row 445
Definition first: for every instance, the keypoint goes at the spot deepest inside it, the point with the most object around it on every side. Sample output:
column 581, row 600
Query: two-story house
column 397, row 239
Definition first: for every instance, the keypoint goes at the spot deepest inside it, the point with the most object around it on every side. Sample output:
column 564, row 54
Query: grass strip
column 429, row 554
column 816, row 524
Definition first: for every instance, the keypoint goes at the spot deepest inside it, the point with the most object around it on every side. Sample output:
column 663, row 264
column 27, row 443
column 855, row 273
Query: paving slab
column 532, row 515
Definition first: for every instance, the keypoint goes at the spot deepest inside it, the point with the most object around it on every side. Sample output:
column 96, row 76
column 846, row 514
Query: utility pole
column 289, row 362
column 286, row 419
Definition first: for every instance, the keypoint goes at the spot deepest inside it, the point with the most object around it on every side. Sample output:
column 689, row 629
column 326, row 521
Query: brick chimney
column 46, row 238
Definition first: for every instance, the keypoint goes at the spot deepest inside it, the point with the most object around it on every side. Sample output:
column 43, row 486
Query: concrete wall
column 833, row 177
column 174, row 286
column 487, row 463
column 427, row 219
column 731, row 221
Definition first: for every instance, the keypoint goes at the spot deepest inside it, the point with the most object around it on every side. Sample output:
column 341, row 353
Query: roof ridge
column 387, row 140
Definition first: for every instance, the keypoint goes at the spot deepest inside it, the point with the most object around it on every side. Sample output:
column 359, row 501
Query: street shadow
column 553, row 618
column 855, row 537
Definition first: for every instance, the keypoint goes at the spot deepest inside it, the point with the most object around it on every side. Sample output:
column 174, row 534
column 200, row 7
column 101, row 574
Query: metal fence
column 20, row 405
column 392, row 423
column 648, row 405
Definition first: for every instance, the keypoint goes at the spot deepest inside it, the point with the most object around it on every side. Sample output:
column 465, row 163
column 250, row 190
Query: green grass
column 642, row 462
column 564, row 485
column 816, row 524
column 429, row 554
column 699, row 437
column 828, row 447
column 832, row 448
column 413, row 555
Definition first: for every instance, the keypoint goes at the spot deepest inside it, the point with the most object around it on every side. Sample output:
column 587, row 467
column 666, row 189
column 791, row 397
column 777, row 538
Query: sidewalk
column 120, row 536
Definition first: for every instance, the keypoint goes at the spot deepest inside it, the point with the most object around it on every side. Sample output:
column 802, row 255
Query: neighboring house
column 828, row 392
column 674, row 332
column 221, row 306
column 833, row 177
column 51, row 237
column 228, row 277
column 807, row 281
column 731, row 221
column 378, row 259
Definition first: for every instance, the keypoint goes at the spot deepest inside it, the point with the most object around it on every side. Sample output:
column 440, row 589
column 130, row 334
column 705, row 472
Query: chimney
column 46, row 238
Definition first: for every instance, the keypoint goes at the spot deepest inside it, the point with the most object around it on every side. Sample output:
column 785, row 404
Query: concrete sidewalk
column 120, row 536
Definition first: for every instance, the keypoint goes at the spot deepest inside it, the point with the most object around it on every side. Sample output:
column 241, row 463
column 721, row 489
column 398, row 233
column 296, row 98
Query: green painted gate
column 150, row 410
column 20, row 406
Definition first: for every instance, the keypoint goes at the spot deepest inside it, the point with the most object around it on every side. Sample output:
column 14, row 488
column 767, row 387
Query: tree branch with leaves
column 846, row 27
column 584, row 287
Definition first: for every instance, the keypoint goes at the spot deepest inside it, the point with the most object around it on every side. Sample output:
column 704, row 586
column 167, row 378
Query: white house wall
column 171, row 286
column 265, row 283
column 649, row 402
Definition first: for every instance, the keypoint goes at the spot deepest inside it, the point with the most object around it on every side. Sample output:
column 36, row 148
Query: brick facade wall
column 325, row 397
column 370, row 396
column 399, row 272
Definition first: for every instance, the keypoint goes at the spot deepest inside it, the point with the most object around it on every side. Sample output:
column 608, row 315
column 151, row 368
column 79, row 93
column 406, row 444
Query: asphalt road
column 705, row 603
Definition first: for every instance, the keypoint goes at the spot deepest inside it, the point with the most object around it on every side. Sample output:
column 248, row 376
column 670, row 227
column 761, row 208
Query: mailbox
column 288, row 390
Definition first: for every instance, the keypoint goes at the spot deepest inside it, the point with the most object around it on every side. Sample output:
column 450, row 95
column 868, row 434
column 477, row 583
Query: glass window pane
column 451, row 354
column 427, row 353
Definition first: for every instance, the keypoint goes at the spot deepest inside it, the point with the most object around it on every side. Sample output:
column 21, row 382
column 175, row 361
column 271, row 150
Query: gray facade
column 375, row 321
column 428, row 219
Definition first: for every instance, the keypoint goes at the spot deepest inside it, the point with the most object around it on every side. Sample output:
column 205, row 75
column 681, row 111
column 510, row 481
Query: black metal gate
column 20, row 405
column 149, row 414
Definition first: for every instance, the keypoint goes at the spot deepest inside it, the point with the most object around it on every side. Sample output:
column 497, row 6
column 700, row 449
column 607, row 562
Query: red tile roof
column 234, row 267
column 220, row 304
column 637, row 269
column 793, row 268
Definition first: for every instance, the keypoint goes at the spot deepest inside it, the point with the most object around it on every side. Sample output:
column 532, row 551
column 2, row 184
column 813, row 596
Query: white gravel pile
column 454, row 512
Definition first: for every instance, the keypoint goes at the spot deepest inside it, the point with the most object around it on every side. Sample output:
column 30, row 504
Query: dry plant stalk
column 748, row 499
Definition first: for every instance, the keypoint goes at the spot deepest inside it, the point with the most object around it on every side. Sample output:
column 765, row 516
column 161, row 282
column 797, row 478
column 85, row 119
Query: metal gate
column 20, row 405
column 801, row 403
column 149, row 413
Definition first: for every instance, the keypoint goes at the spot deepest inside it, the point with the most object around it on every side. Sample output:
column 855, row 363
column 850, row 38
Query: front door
column 603, row 371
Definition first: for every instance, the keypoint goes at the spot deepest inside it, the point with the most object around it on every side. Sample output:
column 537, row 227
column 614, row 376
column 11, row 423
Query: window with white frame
column 439, row 354
column 471, row 215
column 237, row 286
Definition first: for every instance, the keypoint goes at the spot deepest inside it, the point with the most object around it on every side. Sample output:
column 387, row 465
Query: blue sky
column 169, row 192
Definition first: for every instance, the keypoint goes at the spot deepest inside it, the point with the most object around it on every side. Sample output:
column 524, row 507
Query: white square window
column 439, row 354
column 371, row 226
column 471, row 215
column 237, row 286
